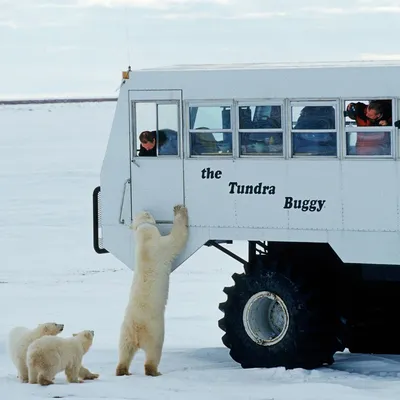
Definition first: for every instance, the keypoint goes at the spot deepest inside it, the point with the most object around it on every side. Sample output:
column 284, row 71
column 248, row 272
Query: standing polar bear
column 49, row 355
column 143, row 325
column 20, row 337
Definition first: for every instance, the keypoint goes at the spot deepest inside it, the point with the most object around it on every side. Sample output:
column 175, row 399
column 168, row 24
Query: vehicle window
column 368, row 126
column 314, row 130
column 210, row 130
column 260, row 130
column 157, row 128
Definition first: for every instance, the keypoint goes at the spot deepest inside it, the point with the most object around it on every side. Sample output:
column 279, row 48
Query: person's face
column 149, row 145
column 371, row 114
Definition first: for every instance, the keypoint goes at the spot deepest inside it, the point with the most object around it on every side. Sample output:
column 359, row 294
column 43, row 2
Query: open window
column 156, row 130
column 314, row 130
column 260, row 129
column 368, row 127
column 210, row 130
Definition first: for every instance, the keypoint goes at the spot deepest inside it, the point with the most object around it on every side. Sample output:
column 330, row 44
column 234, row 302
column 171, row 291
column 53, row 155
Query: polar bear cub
column 50, row 355
column 20, row 337
column 143, row 324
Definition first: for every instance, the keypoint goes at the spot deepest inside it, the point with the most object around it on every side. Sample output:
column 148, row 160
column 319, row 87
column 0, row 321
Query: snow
column 50, row 159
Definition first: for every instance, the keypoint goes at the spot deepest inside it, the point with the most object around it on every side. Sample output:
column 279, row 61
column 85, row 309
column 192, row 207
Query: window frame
column 282, row 130
column 188, row 132
column 394, row 142
column 136, row 144
column 293, row 102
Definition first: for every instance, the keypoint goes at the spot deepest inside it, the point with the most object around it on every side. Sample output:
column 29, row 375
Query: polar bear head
column 143, row 217
column 50, row 328
column 86, row 338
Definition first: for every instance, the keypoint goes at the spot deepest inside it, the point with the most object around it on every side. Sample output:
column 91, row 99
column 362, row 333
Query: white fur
column 50, row 355
column 20, row 337
column 143, row 325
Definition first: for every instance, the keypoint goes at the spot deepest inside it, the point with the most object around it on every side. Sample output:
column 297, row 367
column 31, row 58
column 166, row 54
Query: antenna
column 128, row 41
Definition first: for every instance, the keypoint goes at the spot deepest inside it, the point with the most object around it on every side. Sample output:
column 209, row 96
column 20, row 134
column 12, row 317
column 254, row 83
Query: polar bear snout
column 60, row 327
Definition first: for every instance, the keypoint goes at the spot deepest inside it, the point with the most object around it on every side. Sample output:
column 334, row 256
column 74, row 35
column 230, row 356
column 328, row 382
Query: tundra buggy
column 302, row 162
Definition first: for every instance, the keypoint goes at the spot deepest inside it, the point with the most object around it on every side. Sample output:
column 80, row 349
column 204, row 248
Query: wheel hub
column 266, row 318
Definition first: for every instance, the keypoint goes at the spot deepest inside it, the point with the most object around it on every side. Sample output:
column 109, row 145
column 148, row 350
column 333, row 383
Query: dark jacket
column 168, row 144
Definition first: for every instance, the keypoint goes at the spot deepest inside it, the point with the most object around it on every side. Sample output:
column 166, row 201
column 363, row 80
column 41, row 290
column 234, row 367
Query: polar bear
column 143, row 324
column 20, row 337
column 50, row 355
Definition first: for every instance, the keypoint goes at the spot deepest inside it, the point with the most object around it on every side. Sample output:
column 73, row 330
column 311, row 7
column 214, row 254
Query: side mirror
column 397, row 124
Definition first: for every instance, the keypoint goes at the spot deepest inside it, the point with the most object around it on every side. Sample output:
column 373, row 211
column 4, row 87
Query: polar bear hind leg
column 85, row 374
column 153, row 350
column 33, row 375
column 23, row 371
column 72, row 374
column 127, row 350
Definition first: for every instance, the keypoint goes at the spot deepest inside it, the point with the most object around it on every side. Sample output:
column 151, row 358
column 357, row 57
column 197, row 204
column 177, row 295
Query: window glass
column 368, row 143
column 313, row 117
column 157, row 128
column 314, row 130
column 260, row 117
column 205, row 125
column 261, row 143
column 210, row 117
column 266, row 135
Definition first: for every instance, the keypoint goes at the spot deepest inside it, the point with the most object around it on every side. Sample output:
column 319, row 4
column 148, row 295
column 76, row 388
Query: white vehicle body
column 348, row 200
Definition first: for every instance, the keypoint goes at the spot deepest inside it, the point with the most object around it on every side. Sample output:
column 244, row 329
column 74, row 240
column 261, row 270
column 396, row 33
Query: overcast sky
column 59, row 47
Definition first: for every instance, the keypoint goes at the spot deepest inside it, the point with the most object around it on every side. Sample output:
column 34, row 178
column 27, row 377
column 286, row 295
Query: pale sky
column 59, row 47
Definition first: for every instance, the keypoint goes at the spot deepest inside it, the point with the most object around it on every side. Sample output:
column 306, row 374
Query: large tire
column 297, row 329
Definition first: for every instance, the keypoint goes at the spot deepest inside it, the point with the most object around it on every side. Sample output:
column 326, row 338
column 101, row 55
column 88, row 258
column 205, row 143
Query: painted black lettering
column 235, row 188
column 257, row 188
column 232, row 185
column 240, row 189
column 208, row 173
column 321, row 203
column 288, row 202
column 304, row 205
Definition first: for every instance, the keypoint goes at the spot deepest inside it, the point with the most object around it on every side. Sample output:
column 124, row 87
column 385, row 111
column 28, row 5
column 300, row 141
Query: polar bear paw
column 180, row 209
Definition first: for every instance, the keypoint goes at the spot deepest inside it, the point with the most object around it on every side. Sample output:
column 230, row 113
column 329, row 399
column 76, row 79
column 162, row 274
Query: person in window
column 376, row 113
column 167, row 143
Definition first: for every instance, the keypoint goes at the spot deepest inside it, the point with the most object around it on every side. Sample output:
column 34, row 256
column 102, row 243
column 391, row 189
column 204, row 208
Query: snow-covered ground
column 50, row 159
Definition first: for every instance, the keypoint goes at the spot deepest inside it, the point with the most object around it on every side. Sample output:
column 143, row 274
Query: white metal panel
column 157, row 185
column 264, row 209
column 207, row 199
column 271, row 186
column 115, row 170
column 275, row 83
column 366, row 247
column 319, row 183
column 370, row 195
